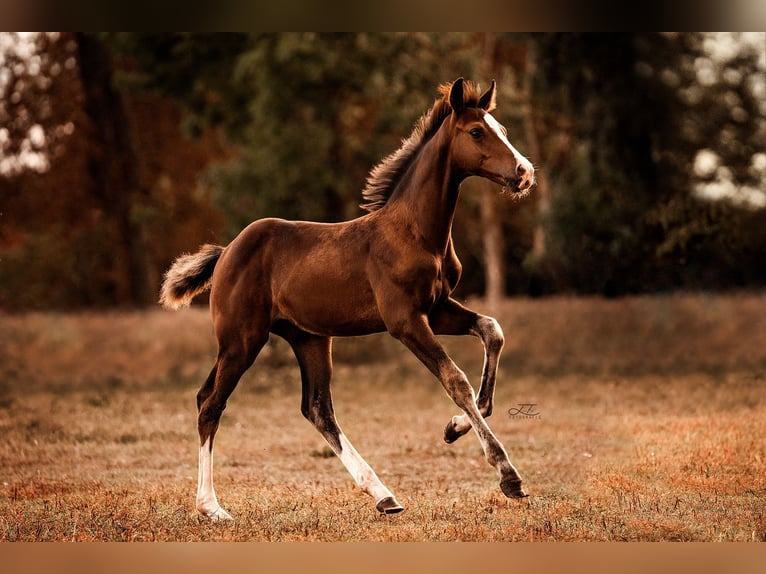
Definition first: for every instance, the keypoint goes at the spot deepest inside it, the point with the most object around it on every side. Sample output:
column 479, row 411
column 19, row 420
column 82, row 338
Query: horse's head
column 480, row 144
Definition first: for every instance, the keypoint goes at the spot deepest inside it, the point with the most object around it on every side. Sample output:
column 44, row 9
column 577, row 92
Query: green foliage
column 595, row 230
column 193, row 68
column 626, row 216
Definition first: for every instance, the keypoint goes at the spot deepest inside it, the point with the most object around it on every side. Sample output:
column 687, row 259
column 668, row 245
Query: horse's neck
column 428, row 196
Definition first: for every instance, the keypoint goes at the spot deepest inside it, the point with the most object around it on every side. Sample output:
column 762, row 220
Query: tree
column 115, row 171
column 627, row 115
column 79, row 223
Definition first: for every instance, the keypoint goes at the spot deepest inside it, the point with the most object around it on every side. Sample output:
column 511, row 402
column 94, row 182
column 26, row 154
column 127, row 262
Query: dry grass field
column 652, row 417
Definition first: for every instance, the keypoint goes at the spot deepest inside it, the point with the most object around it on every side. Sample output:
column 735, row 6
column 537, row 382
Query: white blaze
column 495, row 126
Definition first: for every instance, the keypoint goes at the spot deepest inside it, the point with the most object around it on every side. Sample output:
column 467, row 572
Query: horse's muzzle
column 517, row 185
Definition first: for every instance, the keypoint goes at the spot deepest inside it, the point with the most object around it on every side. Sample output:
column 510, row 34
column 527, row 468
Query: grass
column 651, row 428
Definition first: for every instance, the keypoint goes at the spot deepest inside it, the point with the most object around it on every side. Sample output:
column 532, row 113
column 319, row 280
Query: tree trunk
column 115, row 175
column 492, row 239
column 533, row 144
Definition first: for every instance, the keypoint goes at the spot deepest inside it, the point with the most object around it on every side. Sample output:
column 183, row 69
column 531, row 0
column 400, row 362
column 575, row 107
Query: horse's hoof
column 218, row 515
column 512, row 488
column 450, row 433
column 388, row 505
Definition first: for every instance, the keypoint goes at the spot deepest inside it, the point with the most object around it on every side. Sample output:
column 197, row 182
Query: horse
column 392, row 269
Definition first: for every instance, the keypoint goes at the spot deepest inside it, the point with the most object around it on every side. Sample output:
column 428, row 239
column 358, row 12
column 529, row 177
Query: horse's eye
column 476, row 133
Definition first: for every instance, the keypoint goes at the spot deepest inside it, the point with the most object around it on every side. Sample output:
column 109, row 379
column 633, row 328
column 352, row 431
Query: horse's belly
column 329, row 307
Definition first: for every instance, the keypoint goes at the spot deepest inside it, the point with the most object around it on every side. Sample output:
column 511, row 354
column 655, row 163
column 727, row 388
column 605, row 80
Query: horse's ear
column 456, row 96
column 487, row 99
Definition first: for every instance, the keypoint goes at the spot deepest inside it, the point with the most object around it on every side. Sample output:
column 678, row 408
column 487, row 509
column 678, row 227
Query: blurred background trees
column 120, row 151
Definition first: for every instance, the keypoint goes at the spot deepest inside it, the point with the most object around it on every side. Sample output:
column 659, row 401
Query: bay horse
column 392, row 269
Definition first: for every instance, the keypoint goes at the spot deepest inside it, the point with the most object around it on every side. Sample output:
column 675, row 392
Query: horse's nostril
column 521, row 171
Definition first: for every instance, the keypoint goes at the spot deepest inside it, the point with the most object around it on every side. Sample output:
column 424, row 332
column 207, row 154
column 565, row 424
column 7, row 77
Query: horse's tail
column 189, row 275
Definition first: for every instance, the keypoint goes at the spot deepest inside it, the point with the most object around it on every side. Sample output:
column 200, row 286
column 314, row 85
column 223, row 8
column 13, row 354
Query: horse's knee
column 491, row 333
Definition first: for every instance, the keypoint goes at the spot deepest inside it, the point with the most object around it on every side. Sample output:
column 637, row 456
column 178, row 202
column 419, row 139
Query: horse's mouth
column 516, row 187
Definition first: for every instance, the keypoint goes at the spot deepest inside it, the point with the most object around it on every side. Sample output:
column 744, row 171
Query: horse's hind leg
column 232, row 362
column 454, row 319
column 315, row 360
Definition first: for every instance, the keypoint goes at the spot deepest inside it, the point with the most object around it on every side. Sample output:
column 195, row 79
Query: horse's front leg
column 454, row 319
column 417, row 335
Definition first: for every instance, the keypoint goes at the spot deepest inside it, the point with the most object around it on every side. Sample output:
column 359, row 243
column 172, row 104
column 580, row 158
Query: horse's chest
column 412, row 274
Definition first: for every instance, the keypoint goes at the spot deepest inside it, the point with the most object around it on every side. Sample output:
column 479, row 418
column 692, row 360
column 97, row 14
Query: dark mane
column 384, row 177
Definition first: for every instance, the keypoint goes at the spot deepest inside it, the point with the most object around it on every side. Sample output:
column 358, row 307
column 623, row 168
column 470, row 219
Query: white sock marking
column 363, row 474
column 207, row 502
